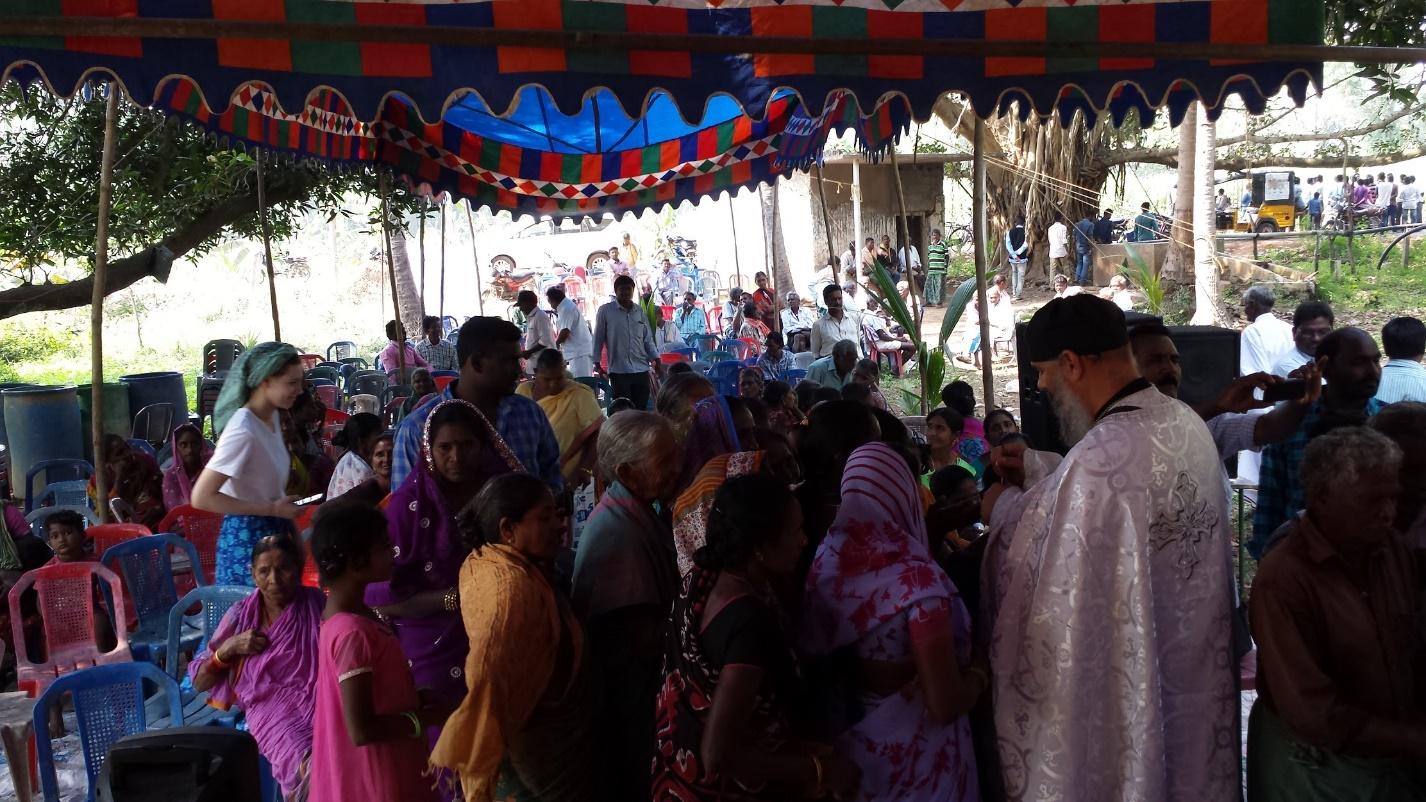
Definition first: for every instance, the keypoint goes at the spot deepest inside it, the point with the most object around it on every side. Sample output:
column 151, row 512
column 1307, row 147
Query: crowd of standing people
column 791, row 594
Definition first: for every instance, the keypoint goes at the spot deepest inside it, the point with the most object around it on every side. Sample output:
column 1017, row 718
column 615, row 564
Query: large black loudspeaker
column 1208, row 355
column 183, row 764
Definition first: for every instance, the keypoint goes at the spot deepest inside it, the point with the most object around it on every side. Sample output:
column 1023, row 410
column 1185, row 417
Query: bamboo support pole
column 391, row 272
column 267, row 246
column 475, row 254
column 96, row 310
column 103, row 27
column 979, row 235
column 827, row 225
column 441, row 310
column 903, row 231
column 421, row 257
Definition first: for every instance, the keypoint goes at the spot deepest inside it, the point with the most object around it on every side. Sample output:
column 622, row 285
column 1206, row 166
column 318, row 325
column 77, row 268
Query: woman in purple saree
column 263, row 658
column 460, row 452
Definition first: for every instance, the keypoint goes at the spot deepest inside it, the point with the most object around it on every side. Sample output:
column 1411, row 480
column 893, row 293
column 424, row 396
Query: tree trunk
column 1179, row 262
column 408, row 298
column 1205, row 263
column 777, row 248
column 1034, row 169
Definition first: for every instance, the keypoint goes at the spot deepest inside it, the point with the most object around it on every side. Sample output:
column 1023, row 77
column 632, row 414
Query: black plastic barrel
column 165, row 387
column 42, row 422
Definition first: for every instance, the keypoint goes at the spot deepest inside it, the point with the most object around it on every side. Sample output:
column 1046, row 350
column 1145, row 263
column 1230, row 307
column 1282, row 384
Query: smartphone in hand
column 1290, row 390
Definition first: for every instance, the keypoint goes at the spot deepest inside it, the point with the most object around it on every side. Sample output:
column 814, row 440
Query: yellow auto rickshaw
column 1276, row 203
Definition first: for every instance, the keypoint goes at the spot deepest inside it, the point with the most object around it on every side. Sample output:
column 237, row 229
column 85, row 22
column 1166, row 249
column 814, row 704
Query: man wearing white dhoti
column 1266, row 339
column 1107, row 585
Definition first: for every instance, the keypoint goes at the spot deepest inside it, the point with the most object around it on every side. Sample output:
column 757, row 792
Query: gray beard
column 1075, row 422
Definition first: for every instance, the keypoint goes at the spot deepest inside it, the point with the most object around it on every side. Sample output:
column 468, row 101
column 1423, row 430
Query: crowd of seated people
column 791, row 592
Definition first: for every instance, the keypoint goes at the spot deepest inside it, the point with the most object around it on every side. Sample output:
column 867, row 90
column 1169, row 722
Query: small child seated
column 65, row 533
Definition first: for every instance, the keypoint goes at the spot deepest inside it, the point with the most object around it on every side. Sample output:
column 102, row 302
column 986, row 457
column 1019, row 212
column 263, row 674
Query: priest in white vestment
column 1108, row 586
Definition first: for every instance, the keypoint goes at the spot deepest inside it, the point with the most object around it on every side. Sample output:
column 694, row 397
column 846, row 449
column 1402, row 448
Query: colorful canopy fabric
column 576, row 126
column 536, row 159
column 351, row 46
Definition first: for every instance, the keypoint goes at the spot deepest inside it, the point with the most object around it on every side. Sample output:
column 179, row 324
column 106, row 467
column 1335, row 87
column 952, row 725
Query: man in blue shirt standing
column 622, row 326
column 488, row 349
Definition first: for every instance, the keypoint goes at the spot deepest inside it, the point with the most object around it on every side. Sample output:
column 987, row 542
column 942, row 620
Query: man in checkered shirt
column 434, row 349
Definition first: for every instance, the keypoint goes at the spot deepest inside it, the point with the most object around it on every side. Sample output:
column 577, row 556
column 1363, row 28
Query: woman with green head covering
column 245, row 480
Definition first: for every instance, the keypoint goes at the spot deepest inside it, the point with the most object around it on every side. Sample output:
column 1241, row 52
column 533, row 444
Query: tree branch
column 156, row 260
column 1169, row 156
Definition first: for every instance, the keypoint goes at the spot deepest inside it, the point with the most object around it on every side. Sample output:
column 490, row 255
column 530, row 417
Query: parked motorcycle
column 507, row 281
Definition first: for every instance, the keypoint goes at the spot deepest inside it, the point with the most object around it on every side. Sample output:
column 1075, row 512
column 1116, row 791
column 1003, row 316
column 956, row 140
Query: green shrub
column 24, row 344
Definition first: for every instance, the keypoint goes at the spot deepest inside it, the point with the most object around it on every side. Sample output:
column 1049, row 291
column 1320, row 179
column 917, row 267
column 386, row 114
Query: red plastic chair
column 310, row 361
column 672, row 358
column 67, row 609
column 442, row 382
column 303, row 523
column 667, row 310
column 200, row 528
column 335, row 416
column 105, row 535
column 330, row 394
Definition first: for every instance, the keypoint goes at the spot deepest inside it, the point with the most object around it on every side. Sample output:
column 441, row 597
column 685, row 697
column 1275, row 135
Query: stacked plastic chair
column 200, row 528
column 37, row 518
column 66, row 602
column 51, row 471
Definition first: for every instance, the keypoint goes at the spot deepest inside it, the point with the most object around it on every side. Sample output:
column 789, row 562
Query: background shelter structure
column 321, row 76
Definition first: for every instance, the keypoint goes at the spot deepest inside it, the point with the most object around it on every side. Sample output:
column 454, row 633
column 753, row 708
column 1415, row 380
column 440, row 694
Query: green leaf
column 890, row 299
column 935, row 367
column 1142, row 274
column 955, row 307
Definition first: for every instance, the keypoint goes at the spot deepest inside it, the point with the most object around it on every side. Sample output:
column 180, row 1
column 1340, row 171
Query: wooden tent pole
column 903, row 231
column 857, row 213
column 827, row 225
column 267, row 247
column 475, row 254
column 96, row 310
column 442, row 308
column 733, row 221
column 421, row 251
column 391, row 271
column 979, row 234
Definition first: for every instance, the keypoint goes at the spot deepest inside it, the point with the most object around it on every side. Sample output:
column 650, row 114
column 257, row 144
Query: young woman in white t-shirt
column 245, row 480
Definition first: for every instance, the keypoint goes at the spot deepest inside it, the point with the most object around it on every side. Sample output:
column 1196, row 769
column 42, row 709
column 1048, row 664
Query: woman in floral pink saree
column 874, row 588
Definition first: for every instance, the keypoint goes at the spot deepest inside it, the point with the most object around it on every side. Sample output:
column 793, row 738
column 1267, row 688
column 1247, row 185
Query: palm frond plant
column 1142, row 274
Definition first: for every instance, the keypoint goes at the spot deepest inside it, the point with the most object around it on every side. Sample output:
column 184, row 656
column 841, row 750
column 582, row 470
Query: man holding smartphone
column 1234, row 418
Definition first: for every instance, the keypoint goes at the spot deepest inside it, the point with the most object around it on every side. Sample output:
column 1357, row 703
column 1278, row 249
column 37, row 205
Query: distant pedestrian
column 937, row 259
column 1084, row 249
column 1104, row 228
column 1058, row 236
column 1410, row 200
column 1314, row 210
column 1017, row 251
column 1146, row 225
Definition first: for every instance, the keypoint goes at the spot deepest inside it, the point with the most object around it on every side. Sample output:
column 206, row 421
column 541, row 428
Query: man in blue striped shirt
column 489, row 352
column 1403, row 378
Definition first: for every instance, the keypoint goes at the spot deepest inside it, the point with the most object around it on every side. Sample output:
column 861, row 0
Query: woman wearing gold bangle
column 460, row 452
column 723, row 711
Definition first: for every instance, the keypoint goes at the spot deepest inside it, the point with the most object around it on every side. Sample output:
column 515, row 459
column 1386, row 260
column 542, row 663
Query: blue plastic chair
column 138, row 444
column 454, row 374
column 724, row 376
column 691, row 353
column 602, row 390
column 792, row 376
column 216, row 600
column 38, row 517
column 109, row 703
column 714, row 357
column 704, row 343
column 147, row 569
column 72, row 493
column 321, row 382
column 54, row 470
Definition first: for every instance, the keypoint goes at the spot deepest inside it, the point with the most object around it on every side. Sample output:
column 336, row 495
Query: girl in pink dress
column 369, row 730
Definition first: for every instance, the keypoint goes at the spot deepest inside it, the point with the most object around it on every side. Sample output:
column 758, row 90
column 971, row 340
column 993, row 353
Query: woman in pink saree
column 263, row 657
column 189, row 453
column 874, row 589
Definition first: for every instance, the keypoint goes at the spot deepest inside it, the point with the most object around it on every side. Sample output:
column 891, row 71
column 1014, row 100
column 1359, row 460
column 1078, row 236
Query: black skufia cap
column 1083, row 324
